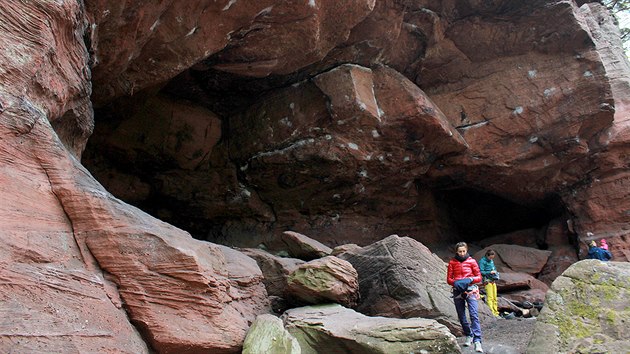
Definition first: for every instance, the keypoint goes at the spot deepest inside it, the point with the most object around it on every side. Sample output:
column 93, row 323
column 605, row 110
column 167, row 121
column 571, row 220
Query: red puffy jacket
column 467, row 269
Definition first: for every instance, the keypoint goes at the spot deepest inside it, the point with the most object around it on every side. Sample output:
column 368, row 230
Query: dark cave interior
column 477, row 215
column 473, row 215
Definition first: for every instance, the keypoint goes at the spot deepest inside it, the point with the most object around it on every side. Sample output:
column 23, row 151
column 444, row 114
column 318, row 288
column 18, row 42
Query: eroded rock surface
column 139, row 45
column 355, row 137
column 333, row 328
column 346, row 121
column 586, row 310
column 399, row 277
column 268, row 335
column 328, row 279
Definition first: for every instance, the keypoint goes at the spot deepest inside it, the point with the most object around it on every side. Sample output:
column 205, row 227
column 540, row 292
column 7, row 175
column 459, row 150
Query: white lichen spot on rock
column 406, row 159
column 328, row 137
column 353, row 146
column 244, row 167
column 381, row 158
column 155, row 24
column 286, row 122
column 368, row 157
column 244, row 192
column 533, row 139
column 549, row 92
column 341, row 122
column 312, row 3
column 531, row 74
column 227, row 7
column 517, row 110
column 588, row 74
column 362, row 174
column 292, row 105
column 375, row 134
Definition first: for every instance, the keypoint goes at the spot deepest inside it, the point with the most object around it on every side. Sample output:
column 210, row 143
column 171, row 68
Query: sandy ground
column 503, row 336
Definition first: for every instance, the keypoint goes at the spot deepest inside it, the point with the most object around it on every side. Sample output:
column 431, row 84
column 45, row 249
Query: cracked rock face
column 235, row 121
column 363, row 141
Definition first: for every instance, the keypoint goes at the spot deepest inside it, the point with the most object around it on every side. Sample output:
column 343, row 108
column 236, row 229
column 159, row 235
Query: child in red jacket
column 463, row 272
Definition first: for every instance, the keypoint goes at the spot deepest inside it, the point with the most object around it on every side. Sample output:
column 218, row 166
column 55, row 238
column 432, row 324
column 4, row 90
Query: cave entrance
column 477, row 215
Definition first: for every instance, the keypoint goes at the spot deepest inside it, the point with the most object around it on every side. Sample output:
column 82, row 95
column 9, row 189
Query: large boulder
column 328, row 279
column 518, row 281
column 400, row 277
column 268, row 335
column 517, row 258
column 586, row 311
column 335, row 329
column 183, row 293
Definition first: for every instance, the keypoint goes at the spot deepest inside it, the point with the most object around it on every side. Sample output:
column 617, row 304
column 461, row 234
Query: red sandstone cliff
column 346, row 120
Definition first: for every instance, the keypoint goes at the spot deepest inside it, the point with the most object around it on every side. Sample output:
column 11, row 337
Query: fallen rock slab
column 516, row 258
column 303, row 247
column 335, row 329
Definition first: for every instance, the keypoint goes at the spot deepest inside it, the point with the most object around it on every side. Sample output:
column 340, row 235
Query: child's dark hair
column 490, row 252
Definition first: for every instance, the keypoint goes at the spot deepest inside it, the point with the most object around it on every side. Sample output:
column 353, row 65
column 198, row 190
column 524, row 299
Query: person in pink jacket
column 603, row 244
column 463, row 273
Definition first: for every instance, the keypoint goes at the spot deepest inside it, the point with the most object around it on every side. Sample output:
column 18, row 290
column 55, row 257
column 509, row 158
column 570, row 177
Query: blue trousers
column 472, row 328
